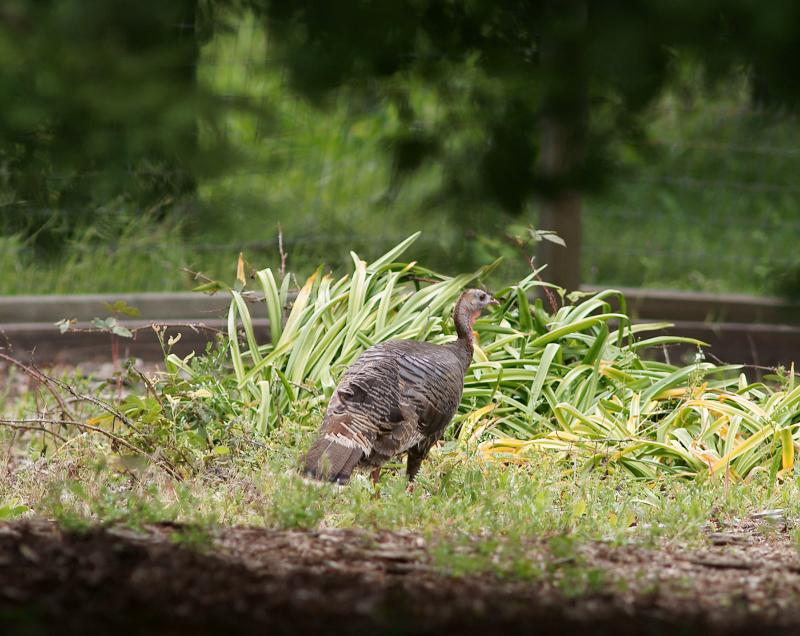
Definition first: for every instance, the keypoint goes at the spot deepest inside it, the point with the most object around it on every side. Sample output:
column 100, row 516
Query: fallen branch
column 197, row 327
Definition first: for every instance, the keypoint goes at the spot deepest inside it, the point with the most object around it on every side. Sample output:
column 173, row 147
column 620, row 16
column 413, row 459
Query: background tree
column 543, row 88
column 100, row 110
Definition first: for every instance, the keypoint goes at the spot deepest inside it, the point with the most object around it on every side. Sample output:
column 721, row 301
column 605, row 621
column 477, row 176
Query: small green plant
column 110, row 325
column 12, row 510
column 297, row 505
column 193, row 537
column 63, row 502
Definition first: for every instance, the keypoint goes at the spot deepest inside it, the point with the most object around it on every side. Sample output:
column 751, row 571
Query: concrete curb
column 743, row 329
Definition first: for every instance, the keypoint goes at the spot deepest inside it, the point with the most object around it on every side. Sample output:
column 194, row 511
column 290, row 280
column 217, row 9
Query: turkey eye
column 482, row 297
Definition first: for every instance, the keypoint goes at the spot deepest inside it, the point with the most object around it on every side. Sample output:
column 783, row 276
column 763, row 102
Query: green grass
column 598, row 445
column 128, row 253
column 475, row 517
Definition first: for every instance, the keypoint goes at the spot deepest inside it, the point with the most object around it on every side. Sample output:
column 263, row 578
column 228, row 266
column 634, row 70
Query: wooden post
column 560, row 212
column 564, row 76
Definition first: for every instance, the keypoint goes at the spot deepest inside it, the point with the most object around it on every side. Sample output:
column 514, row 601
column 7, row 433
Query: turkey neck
column 464, row 321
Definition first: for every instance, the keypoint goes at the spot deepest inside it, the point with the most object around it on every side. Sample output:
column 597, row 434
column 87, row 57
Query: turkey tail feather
column 332, row 459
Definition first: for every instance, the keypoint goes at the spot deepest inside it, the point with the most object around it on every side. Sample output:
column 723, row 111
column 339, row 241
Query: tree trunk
column 563, row 127
column 560, row 212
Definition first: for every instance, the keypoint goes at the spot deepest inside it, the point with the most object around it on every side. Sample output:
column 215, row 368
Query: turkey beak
column 494, row 302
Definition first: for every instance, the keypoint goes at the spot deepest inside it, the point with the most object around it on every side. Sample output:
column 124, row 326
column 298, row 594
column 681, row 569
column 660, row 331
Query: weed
column 12, row 510
column 197, row 538
column 296, row 504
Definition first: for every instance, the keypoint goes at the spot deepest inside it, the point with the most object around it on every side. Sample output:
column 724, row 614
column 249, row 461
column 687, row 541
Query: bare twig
column 197, row 275
column 18, row 425
column 97, row 402
column 281, row 251
column 197, row 327
column 547, row 292
column 162, row 463
column 150, row 388
column 71, row 420
column 42, row 378
column 757, row 367
column 520, row 247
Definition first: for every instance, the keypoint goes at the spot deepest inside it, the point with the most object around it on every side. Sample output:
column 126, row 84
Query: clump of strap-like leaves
column 572, row 382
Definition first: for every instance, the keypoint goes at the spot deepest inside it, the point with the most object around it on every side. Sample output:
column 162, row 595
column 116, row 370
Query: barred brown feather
column 397, row 397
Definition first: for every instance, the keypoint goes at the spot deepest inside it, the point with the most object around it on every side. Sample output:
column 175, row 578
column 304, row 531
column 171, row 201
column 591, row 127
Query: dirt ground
column 350, row 582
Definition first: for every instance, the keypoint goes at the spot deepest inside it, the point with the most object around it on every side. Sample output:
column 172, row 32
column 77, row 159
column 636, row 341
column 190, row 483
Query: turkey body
column 397, row 397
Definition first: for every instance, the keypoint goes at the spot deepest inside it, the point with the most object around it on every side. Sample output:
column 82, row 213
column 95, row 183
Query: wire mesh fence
column 710, row 201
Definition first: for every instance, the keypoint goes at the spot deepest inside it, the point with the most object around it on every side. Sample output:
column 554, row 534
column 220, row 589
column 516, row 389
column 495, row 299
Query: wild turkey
column 397, row 397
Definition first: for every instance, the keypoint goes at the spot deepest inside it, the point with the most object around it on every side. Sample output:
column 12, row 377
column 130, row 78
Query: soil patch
column 350, row 582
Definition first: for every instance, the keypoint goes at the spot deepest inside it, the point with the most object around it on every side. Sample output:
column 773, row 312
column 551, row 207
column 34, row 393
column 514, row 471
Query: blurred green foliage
column 138, row 138
column 100, row 108
column 498, row 68
column 707, row 199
